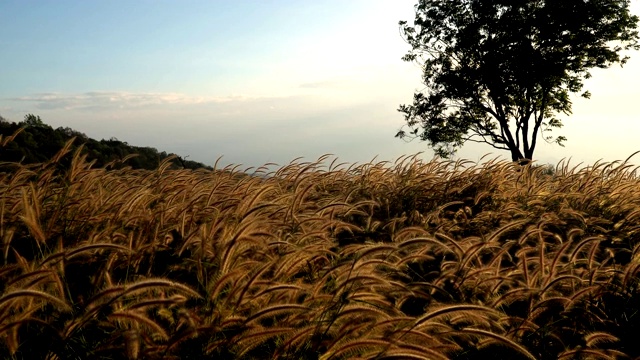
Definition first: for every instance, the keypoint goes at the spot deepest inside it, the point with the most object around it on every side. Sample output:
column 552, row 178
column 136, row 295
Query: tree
column 500, row 71
column 32, row 120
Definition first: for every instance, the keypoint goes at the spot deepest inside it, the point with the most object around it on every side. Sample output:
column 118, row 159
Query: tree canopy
column 500, row 71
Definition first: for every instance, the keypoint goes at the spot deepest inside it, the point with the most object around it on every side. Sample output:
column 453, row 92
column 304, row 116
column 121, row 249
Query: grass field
column 320, row 260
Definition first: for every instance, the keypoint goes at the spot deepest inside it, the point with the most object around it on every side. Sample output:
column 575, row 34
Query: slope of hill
column 38, row 142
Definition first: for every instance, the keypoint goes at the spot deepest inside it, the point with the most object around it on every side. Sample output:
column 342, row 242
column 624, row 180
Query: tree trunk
column 516, row 156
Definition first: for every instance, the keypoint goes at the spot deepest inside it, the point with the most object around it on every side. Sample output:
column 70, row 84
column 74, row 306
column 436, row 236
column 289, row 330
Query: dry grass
column 404, row 260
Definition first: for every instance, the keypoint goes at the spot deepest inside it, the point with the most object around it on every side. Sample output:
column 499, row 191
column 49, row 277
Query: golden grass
column 404, row 260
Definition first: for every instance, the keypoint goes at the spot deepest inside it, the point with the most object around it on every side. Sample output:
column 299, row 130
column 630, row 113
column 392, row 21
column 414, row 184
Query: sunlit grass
column 320, row 260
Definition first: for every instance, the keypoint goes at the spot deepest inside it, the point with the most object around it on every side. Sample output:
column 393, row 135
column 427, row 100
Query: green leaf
column 488, row 65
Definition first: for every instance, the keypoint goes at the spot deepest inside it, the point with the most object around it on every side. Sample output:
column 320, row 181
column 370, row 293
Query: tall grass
column 318, row 260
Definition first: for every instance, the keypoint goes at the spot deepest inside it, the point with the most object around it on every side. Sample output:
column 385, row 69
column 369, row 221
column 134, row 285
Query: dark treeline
column 39, row 142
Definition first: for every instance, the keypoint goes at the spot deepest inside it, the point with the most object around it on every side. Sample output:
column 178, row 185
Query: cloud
column 251, row 130
column 321, row 84
column 108, row 100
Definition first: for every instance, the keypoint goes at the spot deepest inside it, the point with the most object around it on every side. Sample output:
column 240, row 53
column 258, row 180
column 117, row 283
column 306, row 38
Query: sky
column 256, row 81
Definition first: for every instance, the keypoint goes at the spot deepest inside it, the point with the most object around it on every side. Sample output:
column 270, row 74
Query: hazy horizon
column 255, row 82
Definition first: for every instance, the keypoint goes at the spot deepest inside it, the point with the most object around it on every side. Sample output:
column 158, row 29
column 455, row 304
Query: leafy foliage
column 38, row 142
column 499, row 71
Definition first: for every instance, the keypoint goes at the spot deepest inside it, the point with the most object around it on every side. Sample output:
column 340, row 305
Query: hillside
column 38, row 142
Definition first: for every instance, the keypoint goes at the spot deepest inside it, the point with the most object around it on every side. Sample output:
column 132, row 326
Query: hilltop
column 37, row 142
